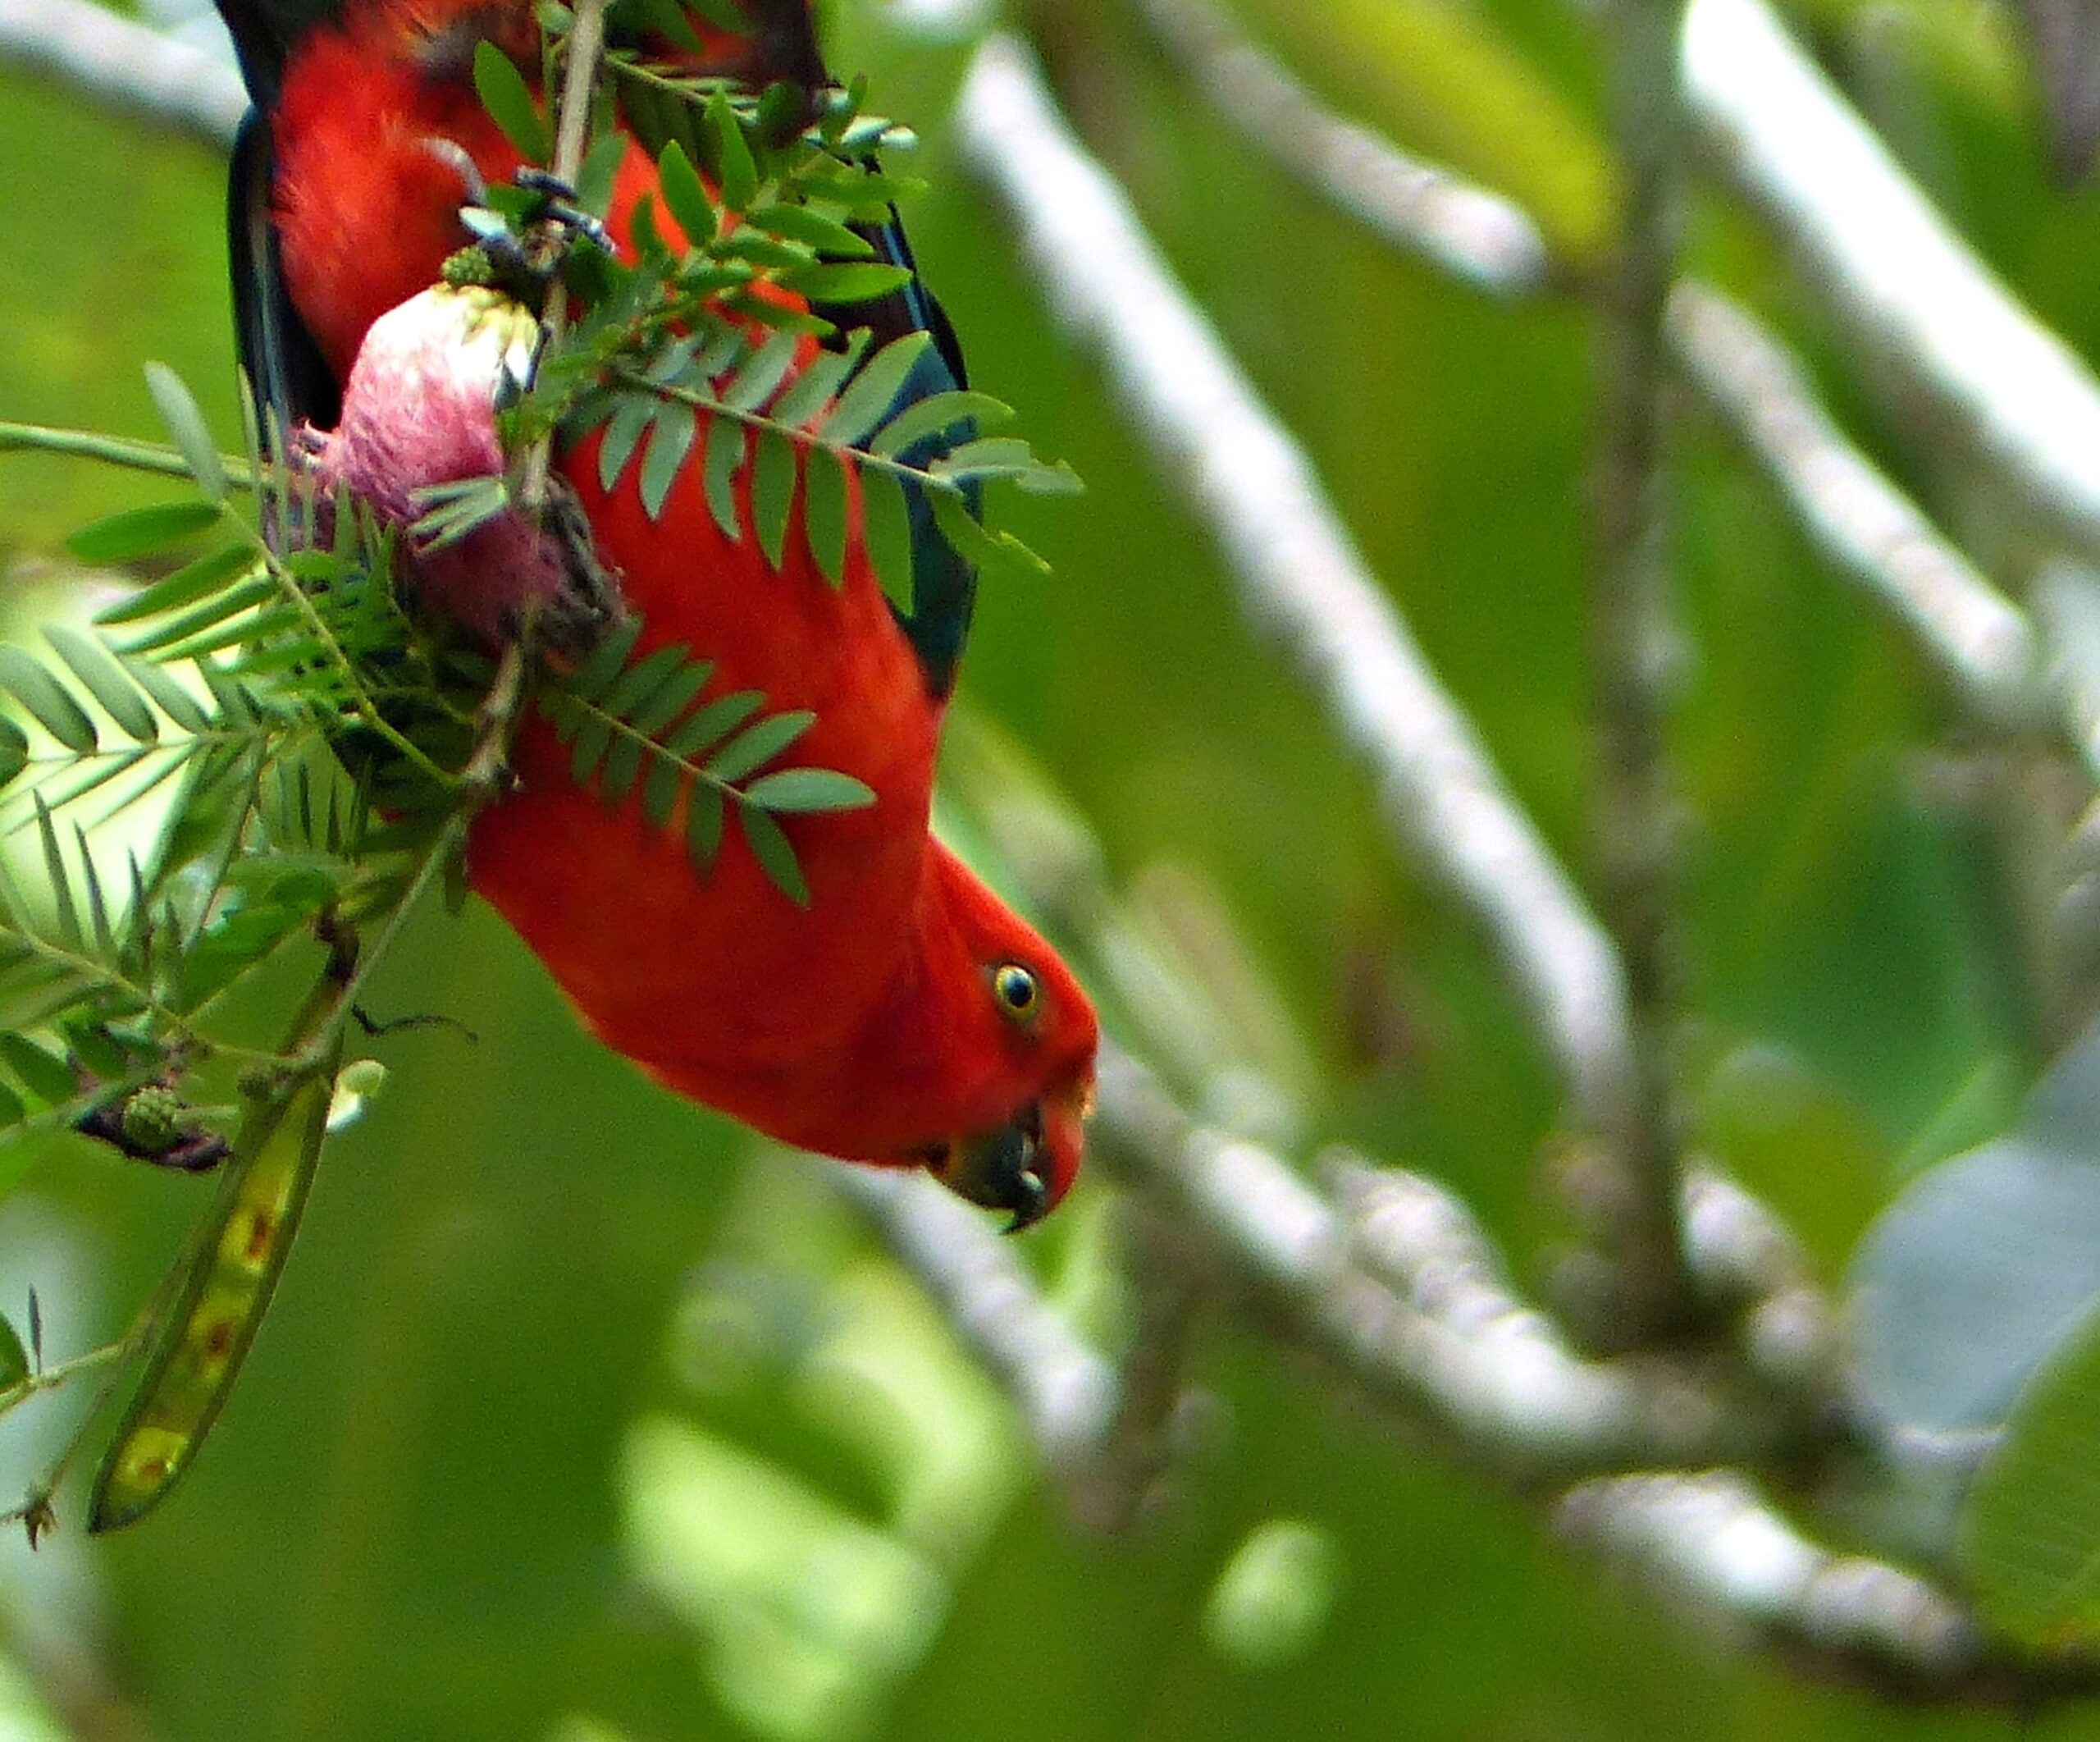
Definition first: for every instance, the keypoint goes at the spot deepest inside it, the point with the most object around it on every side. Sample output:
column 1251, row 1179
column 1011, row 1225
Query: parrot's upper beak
column 1024, row 1168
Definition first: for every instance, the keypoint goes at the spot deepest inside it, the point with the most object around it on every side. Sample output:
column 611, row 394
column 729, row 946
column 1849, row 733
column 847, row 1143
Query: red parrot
column 906, row 1017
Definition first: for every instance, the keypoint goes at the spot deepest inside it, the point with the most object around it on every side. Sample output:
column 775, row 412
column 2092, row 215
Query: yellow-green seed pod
column 235, row 1258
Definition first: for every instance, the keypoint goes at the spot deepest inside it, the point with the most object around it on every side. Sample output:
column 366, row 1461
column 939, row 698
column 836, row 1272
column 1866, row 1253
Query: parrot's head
column 1021, row 1051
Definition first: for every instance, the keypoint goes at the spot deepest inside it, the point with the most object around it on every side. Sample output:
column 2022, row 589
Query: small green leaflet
column 685, row 197
column 739, row 171
column 135, row 533
column 14, row 1358
column 186, row 422
column 451, row 511
column 509, row 102
column 641, row 724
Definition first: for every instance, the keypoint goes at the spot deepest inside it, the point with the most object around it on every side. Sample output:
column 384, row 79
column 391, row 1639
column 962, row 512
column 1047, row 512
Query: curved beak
column 1024, row 1168
column 1002, row 1170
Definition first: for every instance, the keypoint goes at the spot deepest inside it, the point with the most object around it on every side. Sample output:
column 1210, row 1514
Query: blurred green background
column 577, row 1416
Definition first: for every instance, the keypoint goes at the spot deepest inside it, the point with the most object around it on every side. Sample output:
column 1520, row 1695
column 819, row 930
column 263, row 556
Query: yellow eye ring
column 1018, row 991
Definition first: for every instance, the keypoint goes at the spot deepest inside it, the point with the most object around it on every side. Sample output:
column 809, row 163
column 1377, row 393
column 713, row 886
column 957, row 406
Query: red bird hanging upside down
column 905, row 1016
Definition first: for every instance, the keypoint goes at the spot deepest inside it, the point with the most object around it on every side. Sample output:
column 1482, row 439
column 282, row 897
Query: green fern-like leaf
column 639, row 725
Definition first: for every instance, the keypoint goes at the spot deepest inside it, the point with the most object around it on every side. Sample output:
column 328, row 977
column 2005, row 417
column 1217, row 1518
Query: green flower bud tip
column 154, row 1119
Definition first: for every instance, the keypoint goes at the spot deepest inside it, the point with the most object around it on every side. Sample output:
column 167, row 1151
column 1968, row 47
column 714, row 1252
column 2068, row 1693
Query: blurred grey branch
column 125, row 65
column 1300, row 572
column 1634, row 821
column 1711, row 1542
column 1065, row 1392
column 1979, row 641
column 1904, row 281
column 1468, row 232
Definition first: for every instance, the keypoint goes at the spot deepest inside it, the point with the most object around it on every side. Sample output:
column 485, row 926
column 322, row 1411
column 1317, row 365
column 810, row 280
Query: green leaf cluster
column 643, row 722
column 222, row 685
column 312, row 751
column 707, row 357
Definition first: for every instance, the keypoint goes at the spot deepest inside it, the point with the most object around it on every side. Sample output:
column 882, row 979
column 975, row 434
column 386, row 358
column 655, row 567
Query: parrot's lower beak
column 1024, row 1168
column 1002, row 1169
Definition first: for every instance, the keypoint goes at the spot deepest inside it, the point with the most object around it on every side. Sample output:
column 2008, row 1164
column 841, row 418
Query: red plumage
column 869, row 1025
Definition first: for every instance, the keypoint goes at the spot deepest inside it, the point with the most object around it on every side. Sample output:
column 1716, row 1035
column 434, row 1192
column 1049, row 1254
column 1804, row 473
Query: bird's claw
column 590, row 606
column 525, row 241
column 561, row 208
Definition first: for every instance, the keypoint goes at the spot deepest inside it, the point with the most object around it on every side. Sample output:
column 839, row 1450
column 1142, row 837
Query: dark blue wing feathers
column 287, row 377
column 943, row 583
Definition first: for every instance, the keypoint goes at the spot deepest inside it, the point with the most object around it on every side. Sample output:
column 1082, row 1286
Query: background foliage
column 573, row 1404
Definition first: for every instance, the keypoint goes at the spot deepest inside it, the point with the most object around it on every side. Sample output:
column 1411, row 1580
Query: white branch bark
column 1475, row 235
column 1065, row 1392
column 1871, row 243
column 1426, row 1326
column 1298, row 572
column 1712, row 1543
column 1982, row 643
column 125, row 65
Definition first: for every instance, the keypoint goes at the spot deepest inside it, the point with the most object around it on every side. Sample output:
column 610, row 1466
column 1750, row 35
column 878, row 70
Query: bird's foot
column 589, row 605
column 525, row 233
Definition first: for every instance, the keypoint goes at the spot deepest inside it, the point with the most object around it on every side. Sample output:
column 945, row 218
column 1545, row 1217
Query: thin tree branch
column 1711, row 1543
column 586, row 48
column 1475, row 235
column 1982, row 643
column 1634, row 806
column 125, row 65
column 1066, row 1393
column 1501, row 1385
column 1168, row 1287
column 1872, row 245
column 1298, row 570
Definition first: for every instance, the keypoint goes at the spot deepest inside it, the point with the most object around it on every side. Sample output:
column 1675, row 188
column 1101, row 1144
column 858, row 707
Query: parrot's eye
column 1019, row 991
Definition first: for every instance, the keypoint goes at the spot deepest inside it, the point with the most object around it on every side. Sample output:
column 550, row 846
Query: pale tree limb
column 1474, row 235
column 1405, row 1301
column 1712, row 1543
column 1105, row 1433
column 1298, row 571
column 1981, row 643
column 1067, row 1392
column 1634, row 820
column 1170, row 1288
column 1501, row 1385
column 125, row 65
column 1872, row 244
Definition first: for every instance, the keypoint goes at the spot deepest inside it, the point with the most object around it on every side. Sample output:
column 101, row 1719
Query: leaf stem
column 85, row 969
column 479, row 782
column 368, row 709
column 585, row 49
column 51, row 1378
column 158, row 458
column 690, row 769
column 844, row 451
